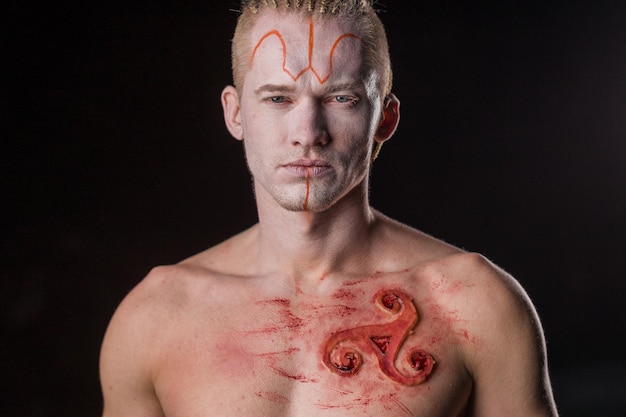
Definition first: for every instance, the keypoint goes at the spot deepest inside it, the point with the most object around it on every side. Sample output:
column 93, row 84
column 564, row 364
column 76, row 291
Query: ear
column 232, row 111
column 389, row 120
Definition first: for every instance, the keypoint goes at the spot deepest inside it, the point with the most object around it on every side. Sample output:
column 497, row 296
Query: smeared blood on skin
column 468, row 336
column 375, row 275
column 274, row 359
column 272, row 355
column 288, row 319
column 299, row 289
column 283, row 302
column 343, row 294
column 272, row 396
column 447, row 322
column 342, row 350
column 361, row 403
column 339, row 310
column 267, row 329
column 444, row 286
column 295, row 377
column 391, row 399
column 389, row 402
column 435, row 339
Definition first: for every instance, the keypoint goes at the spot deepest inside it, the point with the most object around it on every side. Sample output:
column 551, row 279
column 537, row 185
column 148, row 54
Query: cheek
column 354, row 133
column 253, row 156
column 357, row 151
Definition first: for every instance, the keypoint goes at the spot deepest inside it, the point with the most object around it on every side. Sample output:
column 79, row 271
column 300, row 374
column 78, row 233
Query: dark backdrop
column 115, row 158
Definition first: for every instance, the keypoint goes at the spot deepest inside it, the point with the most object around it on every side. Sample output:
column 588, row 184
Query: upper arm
column 126, row 361
column 509, row 365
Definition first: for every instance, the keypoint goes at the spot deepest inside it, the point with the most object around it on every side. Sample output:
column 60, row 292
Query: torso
column 235, row 346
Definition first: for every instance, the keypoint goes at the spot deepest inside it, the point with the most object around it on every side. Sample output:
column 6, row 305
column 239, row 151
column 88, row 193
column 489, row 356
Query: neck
column 311, row 245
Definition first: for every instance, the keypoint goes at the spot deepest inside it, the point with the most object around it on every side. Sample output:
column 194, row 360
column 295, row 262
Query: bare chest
column 371, row 355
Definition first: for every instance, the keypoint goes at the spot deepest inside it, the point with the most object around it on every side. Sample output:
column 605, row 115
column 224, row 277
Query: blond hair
column 362, row 12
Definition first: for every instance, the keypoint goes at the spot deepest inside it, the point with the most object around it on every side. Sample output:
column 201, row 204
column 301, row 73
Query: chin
column 315, row 205
column 293, row 199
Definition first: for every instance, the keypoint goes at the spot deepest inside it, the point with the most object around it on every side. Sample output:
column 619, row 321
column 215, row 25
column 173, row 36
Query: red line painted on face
column 342, row 350
column 308, row 188
column 310, row 67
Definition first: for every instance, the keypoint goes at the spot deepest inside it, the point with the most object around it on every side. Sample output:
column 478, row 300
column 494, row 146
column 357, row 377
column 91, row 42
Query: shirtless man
column 325, row 307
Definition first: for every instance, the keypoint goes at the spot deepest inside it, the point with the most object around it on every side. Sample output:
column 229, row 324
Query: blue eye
column 277, row 99
column 346, row 99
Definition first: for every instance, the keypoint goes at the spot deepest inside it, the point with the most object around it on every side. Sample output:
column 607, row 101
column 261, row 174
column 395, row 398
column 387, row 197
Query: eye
column 277, row 99
column 346, row 99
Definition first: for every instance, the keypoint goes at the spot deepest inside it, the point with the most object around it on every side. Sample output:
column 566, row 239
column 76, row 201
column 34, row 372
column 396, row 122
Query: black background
column 115, row 158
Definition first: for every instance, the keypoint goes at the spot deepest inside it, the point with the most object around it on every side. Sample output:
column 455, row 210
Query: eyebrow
column 329, row 88
column 350, row 86
column 274, row 88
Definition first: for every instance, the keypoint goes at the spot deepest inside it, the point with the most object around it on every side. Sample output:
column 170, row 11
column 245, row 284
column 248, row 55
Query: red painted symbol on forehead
column 322, row 79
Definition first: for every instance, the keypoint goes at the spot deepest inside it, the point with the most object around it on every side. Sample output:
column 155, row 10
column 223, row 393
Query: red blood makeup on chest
column 343, row 349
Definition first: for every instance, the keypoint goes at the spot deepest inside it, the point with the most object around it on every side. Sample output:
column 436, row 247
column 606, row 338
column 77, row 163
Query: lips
column 310, row 167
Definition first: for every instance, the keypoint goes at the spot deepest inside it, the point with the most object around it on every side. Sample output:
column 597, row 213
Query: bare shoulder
column 467, row 282
column 503, row 343
column 491, row 300
column 487, row 284
column 478, row 283
column 493, row 294
column 165, row 290
column 479, row 277
column 168, row 295
column 143, row 330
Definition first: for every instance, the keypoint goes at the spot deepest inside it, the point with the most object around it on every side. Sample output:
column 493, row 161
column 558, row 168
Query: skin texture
column 325, row 307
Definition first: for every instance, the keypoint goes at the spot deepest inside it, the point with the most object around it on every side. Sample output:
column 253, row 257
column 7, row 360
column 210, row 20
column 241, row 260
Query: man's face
column 309, row 111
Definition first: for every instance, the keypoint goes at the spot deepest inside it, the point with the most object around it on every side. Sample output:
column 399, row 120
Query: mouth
column 307, row 167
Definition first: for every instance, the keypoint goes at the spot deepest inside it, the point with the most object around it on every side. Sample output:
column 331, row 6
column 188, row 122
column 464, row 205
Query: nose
column 308, row 125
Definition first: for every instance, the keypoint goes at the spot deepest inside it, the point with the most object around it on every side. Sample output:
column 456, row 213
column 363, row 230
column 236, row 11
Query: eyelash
column 341, row 99
column 277, row 99
column 352, row 101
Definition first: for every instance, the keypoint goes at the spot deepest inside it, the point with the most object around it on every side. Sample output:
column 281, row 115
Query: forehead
column 300, row 48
